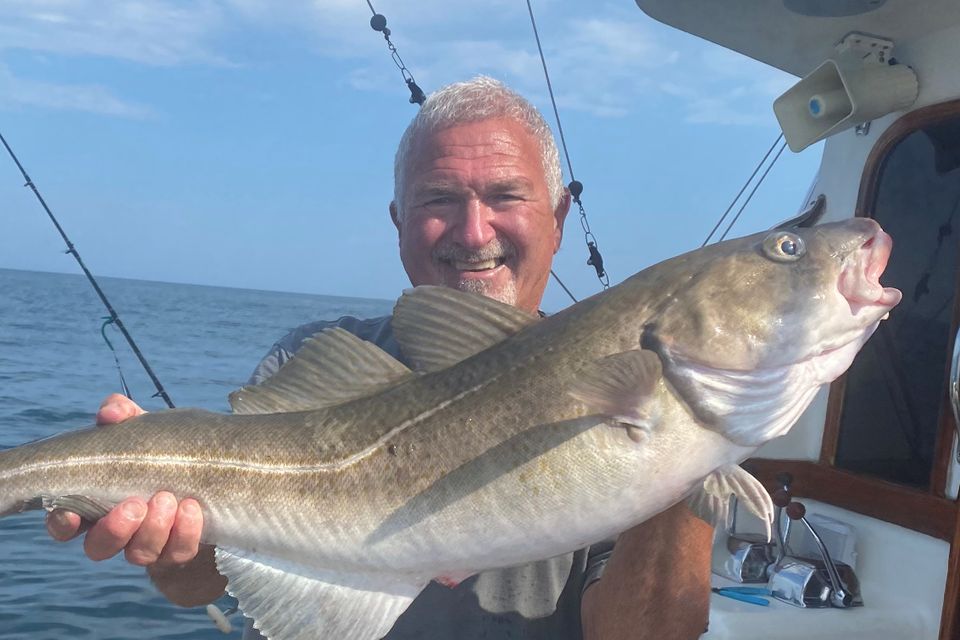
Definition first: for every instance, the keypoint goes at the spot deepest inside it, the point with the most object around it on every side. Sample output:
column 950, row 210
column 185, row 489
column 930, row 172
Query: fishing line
column 113, row 317
column 103, row 332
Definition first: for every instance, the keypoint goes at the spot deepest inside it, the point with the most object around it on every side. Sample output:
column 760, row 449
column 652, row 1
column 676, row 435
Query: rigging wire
column 546, row 75
column 113, row 317
column 742, row 189
column 576, row 187
column 753, row 191
column 378, row 22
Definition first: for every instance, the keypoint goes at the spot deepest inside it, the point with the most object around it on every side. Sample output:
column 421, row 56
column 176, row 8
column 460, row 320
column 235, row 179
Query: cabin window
column 894, row 397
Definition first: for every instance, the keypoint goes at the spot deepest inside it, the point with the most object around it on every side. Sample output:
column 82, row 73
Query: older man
column 479, row 205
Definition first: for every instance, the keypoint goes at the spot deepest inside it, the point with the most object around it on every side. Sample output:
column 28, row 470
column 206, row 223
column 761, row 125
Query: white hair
column 480, row 98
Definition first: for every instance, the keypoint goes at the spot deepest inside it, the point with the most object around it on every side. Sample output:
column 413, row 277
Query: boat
column 874, row 459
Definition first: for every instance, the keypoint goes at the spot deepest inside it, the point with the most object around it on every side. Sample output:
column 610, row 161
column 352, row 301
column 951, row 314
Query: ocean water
column 55, row 368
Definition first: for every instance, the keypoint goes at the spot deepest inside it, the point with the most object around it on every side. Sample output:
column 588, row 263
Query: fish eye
column 784, row 246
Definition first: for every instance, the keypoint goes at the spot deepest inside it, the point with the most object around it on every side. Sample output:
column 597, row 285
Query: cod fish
column 341, row 486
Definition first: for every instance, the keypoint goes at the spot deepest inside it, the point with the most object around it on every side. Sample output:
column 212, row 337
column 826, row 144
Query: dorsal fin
column 330, row 368
column 438, row 327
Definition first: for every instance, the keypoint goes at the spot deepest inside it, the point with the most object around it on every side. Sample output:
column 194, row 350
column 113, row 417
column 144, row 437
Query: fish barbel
column 341, row 486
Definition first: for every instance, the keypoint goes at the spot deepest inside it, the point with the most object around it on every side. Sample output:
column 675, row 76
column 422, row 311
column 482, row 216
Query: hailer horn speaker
column 840, row 94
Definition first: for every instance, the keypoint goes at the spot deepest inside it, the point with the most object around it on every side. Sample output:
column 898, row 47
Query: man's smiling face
column 477, row 213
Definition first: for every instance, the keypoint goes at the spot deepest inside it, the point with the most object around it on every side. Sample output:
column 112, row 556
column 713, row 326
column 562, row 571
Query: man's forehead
column 474, row 140
column 440, row 181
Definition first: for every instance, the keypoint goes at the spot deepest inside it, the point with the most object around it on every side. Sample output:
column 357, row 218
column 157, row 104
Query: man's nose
column 474, row 229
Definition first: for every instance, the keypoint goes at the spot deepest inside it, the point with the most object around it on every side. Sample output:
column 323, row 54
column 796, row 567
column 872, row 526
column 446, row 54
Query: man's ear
column 559, row 216
column 395, row 216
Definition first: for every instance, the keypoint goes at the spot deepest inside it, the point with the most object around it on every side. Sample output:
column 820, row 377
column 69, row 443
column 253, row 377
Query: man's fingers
column 184, row 540
column 117, row 408
column 64, row 525
column 148, row 542
column 113, row 531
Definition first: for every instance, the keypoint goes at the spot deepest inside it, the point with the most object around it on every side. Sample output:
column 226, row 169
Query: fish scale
column 346, row 482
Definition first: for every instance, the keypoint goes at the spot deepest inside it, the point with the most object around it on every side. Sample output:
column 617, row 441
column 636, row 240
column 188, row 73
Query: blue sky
column 249, row 143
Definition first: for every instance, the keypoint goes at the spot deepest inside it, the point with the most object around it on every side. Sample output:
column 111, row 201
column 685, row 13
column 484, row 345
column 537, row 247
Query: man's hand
column 161, row 533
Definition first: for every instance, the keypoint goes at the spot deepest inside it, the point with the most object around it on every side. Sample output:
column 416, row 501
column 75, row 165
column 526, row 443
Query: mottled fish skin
column 493, row 461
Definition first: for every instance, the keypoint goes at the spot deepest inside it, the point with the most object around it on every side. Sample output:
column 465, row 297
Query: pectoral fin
column 288, row 601
column 622, row 388
column 712, row 501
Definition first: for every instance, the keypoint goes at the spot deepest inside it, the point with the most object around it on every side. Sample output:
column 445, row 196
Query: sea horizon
column 202, row 341
column 98, row 277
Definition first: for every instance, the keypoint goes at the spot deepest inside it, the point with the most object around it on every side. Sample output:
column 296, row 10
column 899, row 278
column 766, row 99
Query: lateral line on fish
column 245, row 465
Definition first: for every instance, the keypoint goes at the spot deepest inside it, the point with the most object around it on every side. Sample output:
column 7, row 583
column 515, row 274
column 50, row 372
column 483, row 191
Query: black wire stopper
column 576, row 187
column 379, row 23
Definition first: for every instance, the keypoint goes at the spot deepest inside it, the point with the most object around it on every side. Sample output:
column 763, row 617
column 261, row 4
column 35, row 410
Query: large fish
column 344, row 484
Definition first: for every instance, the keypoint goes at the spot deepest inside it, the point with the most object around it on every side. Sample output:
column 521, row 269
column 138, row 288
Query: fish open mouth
column 859, row 281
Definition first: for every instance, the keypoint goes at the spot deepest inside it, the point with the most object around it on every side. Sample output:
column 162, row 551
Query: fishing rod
column 114, row 318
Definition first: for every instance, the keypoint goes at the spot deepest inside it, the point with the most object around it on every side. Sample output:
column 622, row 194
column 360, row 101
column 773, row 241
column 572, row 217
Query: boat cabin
column 874, row 459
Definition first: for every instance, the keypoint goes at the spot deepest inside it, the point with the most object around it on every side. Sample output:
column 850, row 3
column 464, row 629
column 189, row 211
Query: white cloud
column 458, row 59
column 724, row 87
column 722, row 110
column 598, row 65
column 603, row 59
column 608, row 62
column 624, row 44
column 88, row 98
column 148, row 32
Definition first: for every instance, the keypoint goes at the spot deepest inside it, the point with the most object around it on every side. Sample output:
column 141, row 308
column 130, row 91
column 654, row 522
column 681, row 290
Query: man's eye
column 439, row 200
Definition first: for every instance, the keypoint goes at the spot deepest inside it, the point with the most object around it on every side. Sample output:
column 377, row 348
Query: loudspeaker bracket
column 866, row 47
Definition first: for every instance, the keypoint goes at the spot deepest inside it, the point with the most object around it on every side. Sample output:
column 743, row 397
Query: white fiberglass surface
column 902, row 575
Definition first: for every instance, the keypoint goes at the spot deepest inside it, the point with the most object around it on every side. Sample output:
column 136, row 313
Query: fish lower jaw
column 831, row 363
column 878, row 306
column 859, row 279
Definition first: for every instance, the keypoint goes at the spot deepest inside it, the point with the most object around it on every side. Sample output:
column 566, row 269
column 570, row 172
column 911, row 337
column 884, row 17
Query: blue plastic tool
column 751, row 595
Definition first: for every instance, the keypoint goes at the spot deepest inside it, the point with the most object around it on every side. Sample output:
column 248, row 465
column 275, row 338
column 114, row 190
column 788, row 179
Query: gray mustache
column 455, row 252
